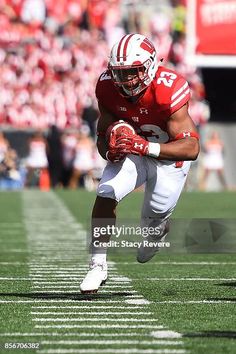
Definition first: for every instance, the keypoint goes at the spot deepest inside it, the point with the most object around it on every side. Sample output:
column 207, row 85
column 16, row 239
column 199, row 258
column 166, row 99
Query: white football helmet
column 133, row 64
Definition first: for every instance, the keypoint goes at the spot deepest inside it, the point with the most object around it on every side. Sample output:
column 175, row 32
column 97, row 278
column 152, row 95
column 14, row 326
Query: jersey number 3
column 166, row 78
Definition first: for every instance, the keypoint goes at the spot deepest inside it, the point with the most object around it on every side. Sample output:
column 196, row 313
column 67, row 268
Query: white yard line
column 115, row 313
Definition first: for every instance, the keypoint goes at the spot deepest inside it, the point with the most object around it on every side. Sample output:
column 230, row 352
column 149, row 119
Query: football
column 118, row 129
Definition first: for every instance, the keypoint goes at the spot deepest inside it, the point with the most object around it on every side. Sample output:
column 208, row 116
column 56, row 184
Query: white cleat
column 96, row 277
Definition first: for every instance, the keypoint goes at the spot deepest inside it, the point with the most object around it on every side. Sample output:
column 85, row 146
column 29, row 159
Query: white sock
column 99, row 258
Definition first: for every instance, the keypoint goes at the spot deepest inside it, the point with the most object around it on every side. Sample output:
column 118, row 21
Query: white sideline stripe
column 166, row 334
column 180, row 263
column 116, row 351
column 101, row 326
column 91, row 313
column 94, row 320
column 111, row 342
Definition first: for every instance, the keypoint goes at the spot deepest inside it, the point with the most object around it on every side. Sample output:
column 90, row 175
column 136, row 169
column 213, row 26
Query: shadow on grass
column 233, row 284
column 212, row 334
column 66, row 296
column 230, row 299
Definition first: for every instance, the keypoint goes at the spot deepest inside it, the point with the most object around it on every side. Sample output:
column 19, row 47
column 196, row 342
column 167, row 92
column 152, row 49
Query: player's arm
column 105, row 120
column 184, row 144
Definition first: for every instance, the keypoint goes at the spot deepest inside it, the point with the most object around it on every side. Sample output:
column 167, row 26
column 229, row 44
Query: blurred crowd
column 51, row 55
column 53, row 51
column 57, row 159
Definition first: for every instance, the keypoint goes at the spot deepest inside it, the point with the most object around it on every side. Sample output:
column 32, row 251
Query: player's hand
column 134, row 144
column 114, row 155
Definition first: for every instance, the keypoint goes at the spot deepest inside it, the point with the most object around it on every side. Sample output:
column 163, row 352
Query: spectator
column 54, row 155
column 37, row 158
column 213, row 160
column 4, row 145
column 83, row 163
column 10, row 177
column 69, row 142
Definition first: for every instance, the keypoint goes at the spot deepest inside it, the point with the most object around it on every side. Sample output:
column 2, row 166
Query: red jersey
column 166, row 94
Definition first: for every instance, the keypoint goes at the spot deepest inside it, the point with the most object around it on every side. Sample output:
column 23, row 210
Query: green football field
column 182, row 301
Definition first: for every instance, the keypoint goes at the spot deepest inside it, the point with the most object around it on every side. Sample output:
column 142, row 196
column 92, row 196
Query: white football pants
column 163, row 183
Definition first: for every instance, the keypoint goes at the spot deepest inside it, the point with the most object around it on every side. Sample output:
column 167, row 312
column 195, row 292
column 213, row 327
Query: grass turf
column 206, row 327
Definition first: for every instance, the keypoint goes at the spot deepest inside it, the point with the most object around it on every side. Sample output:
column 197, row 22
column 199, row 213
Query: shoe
column 96, row 277
column 149, row 246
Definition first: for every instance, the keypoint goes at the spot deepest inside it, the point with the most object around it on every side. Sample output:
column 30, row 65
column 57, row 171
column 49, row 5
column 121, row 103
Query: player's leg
column 222, row 179
column 118, row 180
column 163, row 188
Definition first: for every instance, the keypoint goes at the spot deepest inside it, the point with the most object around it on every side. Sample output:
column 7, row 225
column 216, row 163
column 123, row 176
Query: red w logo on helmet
column 147, row 45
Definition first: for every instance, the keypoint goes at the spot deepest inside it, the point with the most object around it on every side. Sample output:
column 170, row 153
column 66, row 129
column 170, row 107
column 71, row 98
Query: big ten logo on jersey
column 153, row 133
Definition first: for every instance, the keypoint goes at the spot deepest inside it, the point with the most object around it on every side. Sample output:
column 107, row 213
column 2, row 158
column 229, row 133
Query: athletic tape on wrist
column 154, row 149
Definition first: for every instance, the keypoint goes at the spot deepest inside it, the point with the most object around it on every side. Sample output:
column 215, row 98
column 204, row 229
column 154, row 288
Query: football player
column 153, row 99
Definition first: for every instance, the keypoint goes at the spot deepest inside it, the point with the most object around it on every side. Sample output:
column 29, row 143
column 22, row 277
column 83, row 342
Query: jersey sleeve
column 102, row 86
column 180, row 95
